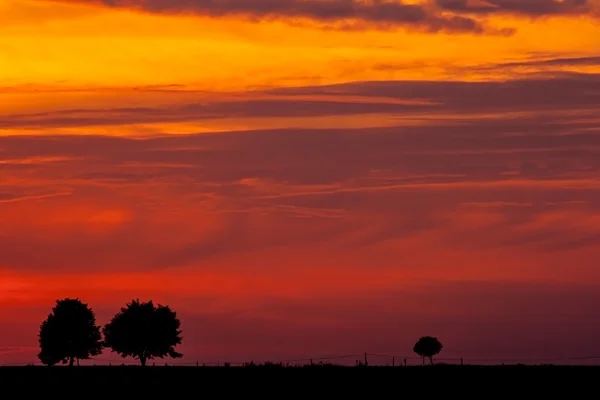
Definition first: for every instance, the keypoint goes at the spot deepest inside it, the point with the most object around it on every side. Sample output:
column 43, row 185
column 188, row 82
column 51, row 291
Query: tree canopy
column 69, row 333
column 428, row 346
column 144, row 331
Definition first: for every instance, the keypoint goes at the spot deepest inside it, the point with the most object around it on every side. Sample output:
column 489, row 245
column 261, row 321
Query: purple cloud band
column 378, row 12
column 458, row 16
column 522, row 7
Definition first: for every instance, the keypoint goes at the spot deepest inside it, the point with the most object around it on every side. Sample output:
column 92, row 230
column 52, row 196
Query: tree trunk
column 143, row 361
column 71, row 361
column 431, row 360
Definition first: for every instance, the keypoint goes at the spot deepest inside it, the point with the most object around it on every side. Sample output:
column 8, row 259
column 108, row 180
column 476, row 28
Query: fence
column 359, row 359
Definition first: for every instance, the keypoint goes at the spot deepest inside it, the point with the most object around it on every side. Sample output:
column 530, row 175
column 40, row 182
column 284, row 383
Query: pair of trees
column 139, row 330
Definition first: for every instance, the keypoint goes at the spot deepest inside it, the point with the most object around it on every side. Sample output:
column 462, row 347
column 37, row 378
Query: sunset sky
column 299, row 178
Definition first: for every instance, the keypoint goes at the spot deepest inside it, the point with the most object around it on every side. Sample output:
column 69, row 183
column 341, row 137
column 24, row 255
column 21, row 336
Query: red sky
column 299, row 179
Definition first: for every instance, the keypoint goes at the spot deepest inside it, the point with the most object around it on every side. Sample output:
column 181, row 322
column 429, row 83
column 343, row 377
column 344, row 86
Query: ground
column 369, row 382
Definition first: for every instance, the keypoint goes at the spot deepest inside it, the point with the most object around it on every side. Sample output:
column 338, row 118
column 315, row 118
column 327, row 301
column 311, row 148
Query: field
column 483, row 381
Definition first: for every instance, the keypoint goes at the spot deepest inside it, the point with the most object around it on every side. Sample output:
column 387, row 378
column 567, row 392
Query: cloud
column 169, row 202
column 254, row 108
column 534, row 8
column 335, row 13
column 10, row 198
column 458, row 16
column 450, row 182
column 554, row 62
column 397, row 103
column 530, row 92
column 545, row 66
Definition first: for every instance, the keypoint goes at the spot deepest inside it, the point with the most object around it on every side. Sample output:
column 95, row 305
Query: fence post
column 311, row 362
column 461, row 361
column 366, row 360
column 393, row 361
column 405, row 362
column 197, row 364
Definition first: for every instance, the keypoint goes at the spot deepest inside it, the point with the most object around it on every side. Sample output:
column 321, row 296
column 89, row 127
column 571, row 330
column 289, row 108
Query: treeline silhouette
column 140, row 330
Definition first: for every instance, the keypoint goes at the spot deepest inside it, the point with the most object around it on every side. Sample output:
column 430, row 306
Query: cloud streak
column 533, row 8
column 123, row 190
column 336, row 12
column 410, row 103
column 339, row 14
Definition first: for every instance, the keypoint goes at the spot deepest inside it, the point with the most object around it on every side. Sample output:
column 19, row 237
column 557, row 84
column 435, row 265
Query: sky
column 303, row 178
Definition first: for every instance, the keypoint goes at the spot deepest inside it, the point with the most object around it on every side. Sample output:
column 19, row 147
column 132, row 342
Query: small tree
column 144, row 331
column 69, row 333
column 428, row 346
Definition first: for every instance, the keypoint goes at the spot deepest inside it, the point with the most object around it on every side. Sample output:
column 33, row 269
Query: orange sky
column 302, row 177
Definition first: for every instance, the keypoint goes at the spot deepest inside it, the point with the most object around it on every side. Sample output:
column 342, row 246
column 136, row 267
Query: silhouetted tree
column 428, row 346
column 69, row 333
column 144, row 331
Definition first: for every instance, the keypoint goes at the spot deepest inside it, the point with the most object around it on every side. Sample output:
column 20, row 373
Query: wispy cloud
column 535, row 8
column 407, row 102
column 391, row 14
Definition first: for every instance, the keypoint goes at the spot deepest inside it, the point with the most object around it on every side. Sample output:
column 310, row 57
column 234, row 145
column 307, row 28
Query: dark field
column 330, row 381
